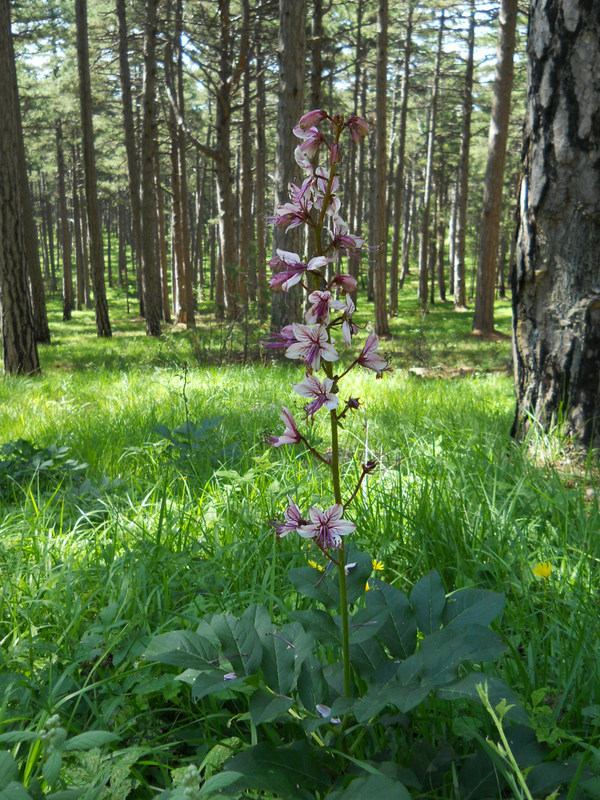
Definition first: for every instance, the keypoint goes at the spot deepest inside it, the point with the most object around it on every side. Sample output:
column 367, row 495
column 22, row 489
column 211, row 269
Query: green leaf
column 212, row 682
column 89, row 739
column 320, row 624
column 472, row 607
column 428, row 599
column 14, row 737
column 239, row 641
column 440, row 654
column 359, row 574
column 8, row 769
column 52, row 766
column 187, row 649
column 366, row 623
column 371, row 786
column 258, row 617
column 399, row 631
column 310, row 582
column 267, row 707
column 218, row 782
column 367, row 658
column 497, row 690
column 544, row 778
column 14, row 791
column 312, row 687
column 286, row 771
column 278, row 663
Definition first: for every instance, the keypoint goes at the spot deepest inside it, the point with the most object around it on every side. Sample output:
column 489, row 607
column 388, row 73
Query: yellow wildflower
column 314, row 565
column 367, row 587
column 543, row 569
column 377, row 565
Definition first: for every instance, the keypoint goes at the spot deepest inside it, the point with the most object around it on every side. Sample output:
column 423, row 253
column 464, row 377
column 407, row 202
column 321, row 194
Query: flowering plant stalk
column 315, row 204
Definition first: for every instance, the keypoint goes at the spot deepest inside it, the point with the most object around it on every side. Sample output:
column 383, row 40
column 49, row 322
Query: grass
column 139, row 536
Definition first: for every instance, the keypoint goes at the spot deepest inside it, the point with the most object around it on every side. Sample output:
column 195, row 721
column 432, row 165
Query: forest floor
column 136, row 494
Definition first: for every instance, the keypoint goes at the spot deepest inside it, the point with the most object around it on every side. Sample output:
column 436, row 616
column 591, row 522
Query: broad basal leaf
column 399, row 630
column 472, row 607
column 428, row 599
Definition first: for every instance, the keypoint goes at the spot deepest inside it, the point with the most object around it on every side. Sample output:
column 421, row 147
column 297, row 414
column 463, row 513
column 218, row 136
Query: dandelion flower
column 543, row 569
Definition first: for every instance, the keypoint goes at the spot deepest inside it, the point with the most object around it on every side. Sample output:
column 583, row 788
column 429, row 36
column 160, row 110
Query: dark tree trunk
column 64, row 235
column 424, row 249
column 462, row 191
column 399, row 180
column 79, row 268
column 150, row 275
column 262, row 289
column 133, row 172
column 89, row 163
column 483, row 317
column 291, row 51
column 381, row 232
column 18, row 333
column 556, row 285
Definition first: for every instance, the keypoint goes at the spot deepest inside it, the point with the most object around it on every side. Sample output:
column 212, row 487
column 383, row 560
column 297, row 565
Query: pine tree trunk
column 399, row 179
column 149, row 268
column 424, row 247
column 285, row 307
column 64, row 235
column 245, row 205
column 79, row 269
column 133, row 173
column 460, row 270
column 262, row 289
column 483, row 317
column 18, row 333
column 89, row 163
column 556, row 285
column 381, row 232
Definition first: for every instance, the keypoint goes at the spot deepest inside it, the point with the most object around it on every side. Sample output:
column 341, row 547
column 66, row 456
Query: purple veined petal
column 369, row 357
column 319, row 392
column 317, row 262
column 312, row 118
column 291, row 434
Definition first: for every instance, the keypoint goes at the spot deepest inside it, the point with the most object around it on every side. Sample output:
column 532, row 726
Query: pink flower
column 292, row 520
column 322, row 302
column 357, row 127
column 311, row 141
column 349, row 329
column 291, row 434
column 311, row 118
column 342, row 240
column 327, row 527
column 293, row 269
column 311, row 345
column 345, row 282
column 319, row 391
column 369, row 358
column 283, row 338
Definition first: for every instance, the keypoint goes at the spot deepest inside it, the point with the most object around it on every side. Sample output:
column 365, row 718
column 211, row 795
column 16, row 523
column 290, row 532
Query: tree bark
column 18, row 333
column 133, row 173
column 483, row 317
column 381, row 233
column 291, row 51
column 262, row 288
column 556, row 284
column 399, row 180
column 424, row 247
column 89, row 163
column 462, row 190
column 150, row 275
column 64, row 234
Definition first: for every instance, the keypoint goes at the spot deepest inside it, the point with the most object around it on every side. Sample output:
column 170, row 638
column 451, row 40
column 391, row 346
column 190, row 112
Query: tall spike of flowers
column 315, row 204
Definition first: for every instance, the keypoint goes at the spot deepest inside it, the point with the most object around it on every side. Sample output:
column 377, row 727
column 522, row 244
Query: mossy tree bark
column 556, row 281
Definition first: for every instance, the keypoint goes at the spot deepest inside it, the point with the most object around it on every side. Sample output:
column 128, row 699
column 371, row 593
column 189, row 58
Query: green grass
column 96, row 561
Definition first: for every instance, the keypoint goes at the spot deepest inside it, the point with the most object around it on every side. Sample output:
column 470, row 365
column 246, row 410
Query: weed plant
column 147, row 536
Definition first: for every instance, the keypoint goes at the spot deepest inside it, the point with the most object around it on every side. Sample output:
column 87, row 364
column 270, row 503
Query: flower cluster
column 315, row 204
